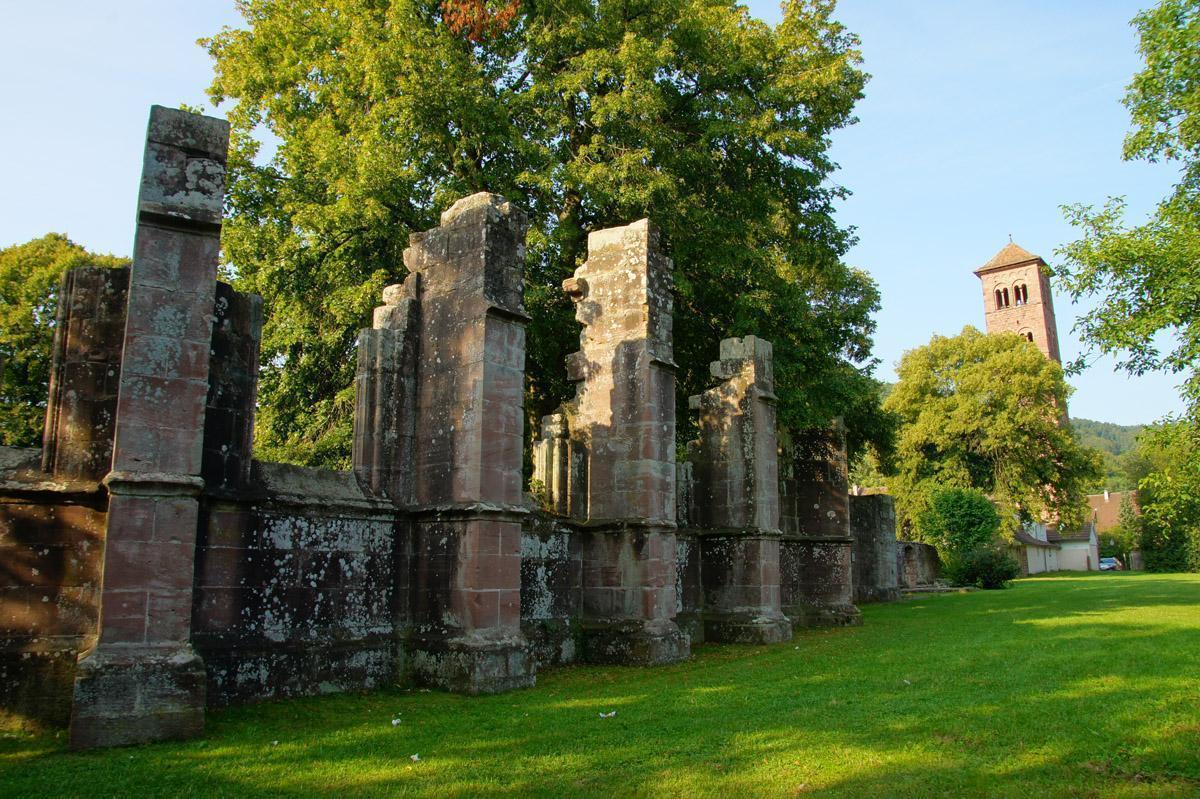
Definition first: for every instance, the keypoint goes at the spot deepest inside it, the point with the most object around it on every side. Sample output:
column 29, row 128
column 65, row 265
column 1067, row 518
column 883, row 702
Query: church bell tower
column 1017, row 298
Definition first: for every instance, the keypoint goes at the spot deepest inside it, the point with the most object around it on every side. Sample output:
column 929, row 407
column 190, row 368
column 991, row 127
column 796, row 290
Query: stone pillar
column 737, row 502
column 232, row 390
column 552, row 465
column 873, row 525
column 816, row 555
column 143, row 681
column 385, row 395
column 623, row 424
column 466, row 599
column 81, row 409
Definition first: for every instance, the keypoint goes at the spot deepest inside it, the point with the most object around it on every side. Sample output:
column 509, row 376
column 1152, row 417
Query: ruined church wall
column 51, row 539
column 917, row 564
column 300, row 590
column 551, row 589
column 873, row 525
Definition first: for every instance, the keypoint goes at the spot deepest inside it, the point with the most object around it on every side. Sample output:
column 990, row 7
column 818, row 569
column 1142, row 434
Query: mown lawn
column 1079, row 685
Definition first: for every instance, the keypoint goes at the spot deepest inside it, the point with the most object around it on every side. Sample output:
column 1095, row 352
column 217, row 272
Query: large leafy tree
column 1169, row 496
column 987, row 412
column 30, row 275
column 1147, row 276
column 587, row 113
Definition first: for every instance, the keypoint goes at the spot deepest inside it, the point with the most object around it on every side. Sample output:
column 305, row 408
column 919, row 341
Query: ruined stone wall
column 145, row 539
column 917, row 564
column 300, row 590
column 873, row 525
column 51, row 537
column 816, row 556
column 551, row 589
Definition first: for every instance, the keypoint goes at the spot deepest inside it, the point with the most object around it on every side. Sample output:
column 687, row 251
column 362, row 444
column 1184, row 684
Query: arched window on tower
column 1027, row 335
column 1005, row 293
column 999, row 300
column 1020, row 294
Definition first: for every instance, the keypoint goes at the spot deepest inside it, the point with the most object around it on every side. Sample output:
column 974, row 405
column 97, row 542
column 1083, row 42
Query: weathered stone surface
column 917, row 564
column 551, row 589
column 816, row 554
column 301, row 588
column 736, row 498
column 621, row 460
column 469, row 436
column 232, row 390
column 385, row 395
column 131, row 695
column 144, row 652
column 873, row 525
column 50, row 547
column 82, row 406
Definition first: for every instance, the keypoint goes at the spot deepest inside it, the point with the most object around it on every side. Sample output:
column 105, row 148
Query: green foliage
column 958, row 521
column 987, row 566
column 983, row 412
column 1169, row 496
column 1147, row 277
column 30, row 275
column 588, row 113
column 1114, row 442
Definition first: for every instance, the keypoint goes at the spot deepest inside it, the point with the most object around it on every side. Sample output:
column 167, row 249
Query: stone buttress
column 873, row 525
column 816, row 556
column 466, row 446
column 143, row 680
column 618, row 468
column 736, row 501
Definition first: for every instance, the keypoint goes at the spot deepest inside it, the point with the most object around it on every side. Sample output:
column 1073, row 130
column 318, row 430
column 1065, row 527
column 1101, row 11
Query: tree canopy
column 1147, row 277
column 30, row 275
column 987, row 412
column 959, row 520
column 355, row 122
column 1169, row 496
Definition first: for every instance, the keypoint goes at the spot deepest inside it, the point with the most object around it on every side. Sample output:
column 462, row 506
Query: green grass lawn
column 1075, row 685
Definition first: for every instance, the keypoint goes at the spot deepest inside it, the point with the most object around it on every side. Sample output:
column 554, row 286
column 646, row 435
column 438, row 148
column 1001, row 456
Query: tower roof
column 1010, row 255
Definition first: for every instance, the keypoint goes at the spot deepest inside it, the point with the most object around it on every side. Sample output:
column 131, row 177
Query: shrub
column 985, row 567
column 959, row 520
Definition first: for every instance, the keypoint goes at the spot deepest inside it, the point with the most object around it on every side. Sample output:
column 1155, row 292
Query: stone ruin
column 152, row 568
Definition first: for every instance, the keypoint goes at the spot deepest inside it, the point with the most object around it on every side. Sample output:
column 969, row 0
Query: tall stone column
column 85, row 369
column 737, row 502
column 143, row 681
column 816, row 558
column 469, row 437
column 385, row 395
column 622, row 421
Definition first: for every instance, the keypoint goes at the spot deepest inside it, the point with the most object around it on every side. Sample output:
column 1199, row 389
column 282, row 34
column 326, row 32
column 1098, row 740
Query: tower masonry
column 1017, row 298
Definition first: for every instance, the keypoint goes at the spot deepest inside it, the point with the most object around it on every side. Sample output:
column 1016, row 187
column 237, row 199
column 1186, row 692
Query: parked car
column 1110, row 565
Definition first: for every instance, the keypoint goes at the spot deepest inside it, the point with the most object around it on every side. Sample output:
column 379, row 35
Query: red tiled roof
column 1010, row 255
column 1105, row 513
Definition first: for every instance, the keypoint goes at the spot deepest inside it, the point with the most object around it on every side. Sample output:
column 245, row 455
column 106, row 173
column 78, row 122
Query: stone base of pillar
column 129, row 694
column 474, row 665
column 746, row 628
column 876, row 595
column 691, row 624
column 635, row 642
column 811, row 615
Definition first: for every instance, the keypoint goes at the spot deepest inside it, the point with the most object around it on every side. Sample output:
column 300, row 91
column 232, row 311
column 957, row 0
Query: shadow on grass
column 1045, row 689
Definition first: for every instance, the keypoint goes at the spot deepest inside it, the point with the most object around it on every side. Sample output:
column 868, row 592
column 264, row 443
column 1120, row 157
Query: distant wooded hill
column 1114, row 440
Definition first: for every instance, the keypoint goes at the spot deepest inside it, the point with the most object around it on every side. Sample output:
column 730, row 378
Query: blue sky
column 980, row 120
